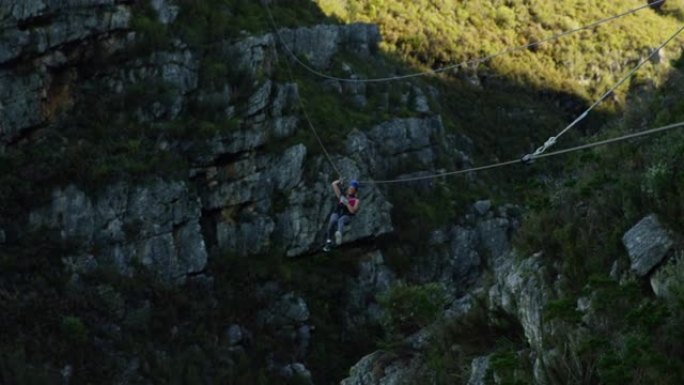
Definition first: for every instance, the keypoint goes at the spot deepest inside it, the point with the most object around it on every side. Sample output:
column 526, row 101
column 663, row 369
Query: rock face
column 251, row 201
column 177, row 71
column 27, row 100
column 666, row 278
column 374, row 278
column 252, row 188
column 245, row 218
column 320, row 43
column 166, row 12
column 286, row 317
column 459, row 253
column 67, row 24
column 242, row 206
column 647, row 244
column 316, row 44
column 457, row 257
column 397, row 145
column 521, row 290
column 381, row 368
column 21, row 100
column 478, row 371
column 157, row 225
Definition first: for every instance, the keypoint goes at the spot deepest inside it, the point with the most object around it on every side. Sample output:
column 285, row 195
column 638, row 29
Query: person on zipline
column 347, row 207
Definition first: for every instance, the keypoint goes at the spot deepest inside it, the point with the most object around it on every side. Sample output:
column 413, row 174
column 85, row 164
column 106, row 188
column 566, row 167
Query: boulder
column 482, row 207
column 71, row 212
column 647, row 244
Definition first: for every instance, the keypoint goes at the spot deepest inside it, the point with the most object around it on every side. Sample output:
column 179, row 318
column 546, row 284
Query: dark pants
column 337, row 223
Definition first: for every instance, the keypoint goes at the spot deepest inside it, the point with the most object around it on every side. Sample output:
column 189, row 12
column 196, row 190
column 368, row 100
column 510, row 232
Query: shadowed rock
column 156, row 225
column 647, row 244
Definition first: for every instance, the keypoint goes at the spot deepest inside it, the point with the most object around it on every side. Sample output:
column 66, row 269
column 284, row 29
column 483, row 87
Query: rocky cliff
column 163, row 205
column 68, row 65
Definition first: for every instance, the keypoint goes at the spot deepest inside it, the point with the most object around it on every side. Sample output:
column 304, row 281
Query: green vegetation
column 176, row 333
column 576, row 221
column 432, row 34
column 511, row 367
column 579, row 226
column 408, row 308
column 208, row 24
column 453, row 345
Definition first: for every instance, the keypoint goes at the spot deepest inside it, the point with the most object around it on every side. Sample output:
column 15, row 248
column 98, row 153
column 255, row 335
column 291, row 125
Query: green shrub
column 564, row 309
column 411, row 307
column 431, row 33
column 505, row 17
column 152, row 35
column 509, row 368
column 16, row 369
column 74, row 330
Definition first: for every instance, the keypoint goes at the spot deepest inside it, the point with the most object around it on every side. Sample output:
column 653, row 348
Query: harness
column 342, row 208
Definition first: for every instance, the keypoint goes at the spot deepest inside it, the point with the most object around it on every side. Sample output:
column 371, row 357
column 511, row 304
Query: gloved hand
column 343, row 199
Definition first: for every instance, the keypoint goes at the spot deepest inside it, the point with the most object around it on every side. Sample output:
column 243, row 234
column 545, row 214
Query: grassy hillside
column 432, row 34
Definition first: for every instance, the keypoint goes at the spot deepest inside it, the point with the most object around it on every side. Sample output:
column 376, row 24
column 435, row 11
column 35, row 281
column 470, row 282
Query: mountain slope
column 163, row 200
column 434, row 33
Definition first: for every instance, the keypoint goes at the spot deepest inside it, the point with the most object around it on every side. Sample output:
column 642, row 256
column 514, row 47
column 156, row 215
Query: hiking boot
column 338, row 238
column 328, row 244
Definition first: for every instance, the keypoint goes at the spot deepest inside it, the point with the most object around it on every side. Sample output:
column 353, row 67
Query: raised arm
column 336, row 188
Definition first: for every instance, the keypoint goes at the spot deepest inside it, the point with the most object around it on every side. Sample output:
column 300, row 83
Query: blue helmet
column 355, row 184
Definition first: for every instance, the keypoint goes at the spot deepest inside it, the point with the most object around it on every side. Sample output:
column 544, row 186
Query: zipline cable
column 483, row 59
column 552, row 140
column 545, row 155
